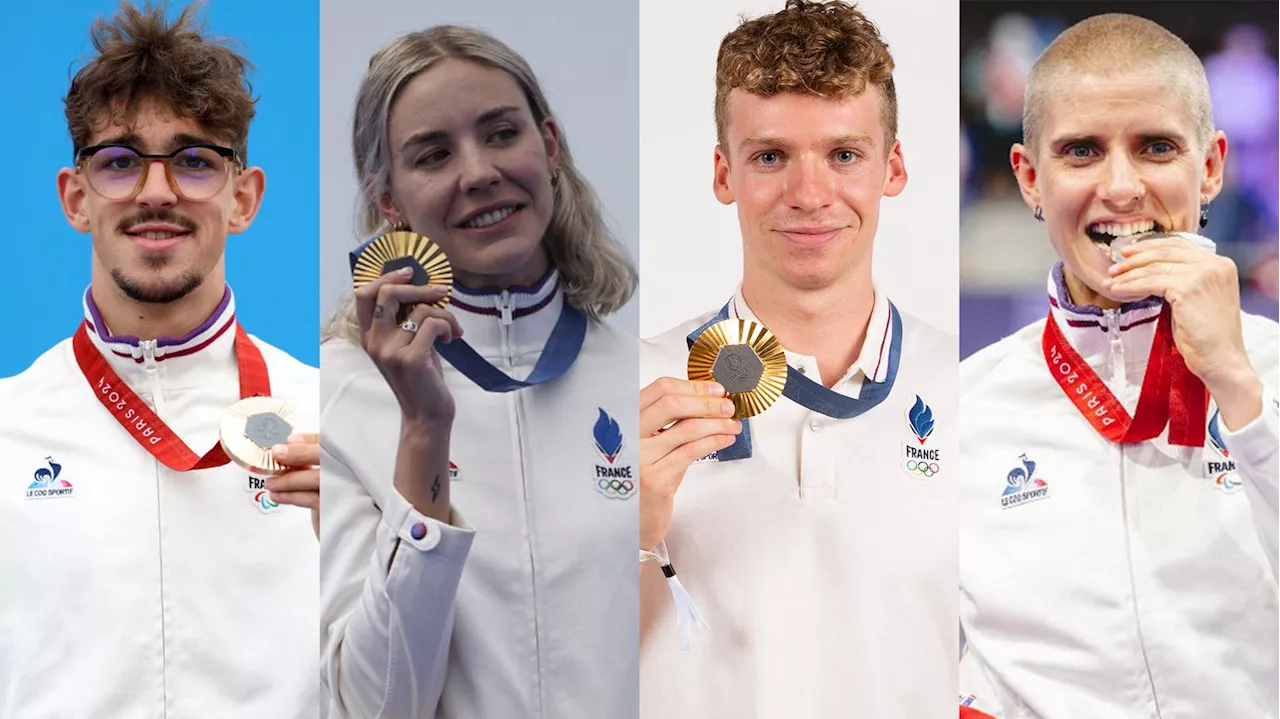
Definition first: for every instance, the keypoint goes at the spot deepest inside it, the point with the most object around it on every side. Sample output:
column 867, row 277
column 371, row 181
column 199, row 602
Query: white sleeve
column 1255, row 448
column 389, row 577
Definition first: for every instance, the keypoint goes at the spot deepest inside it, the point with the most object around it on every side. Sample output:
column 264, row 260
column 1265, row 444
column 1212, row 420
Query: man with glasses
column 143, row 573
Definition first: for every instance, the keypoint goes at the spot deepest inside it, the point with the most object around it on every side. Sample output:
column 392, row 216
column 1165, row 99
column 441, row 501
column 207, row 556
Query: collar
column 509, row 323
column 213, row 339
column 872, row 362
column 1090, row 329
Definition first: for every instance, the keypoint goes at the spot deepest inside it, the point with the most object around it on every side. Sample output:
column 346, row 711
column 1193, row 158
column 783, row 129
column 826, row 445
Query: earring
column 400, row 226
column 555, row 175
column 1204, row 215
column 1039, row 214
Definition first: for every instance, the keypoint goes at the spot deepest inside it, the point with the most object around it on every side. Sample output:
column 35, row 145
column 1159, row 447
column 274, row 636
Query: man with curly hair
column 143, row 573
column 815, row 538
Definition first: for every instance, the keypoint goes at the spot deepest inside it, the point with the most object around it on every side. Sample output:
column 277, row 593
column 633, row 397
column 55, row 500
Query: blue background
column 273, row 267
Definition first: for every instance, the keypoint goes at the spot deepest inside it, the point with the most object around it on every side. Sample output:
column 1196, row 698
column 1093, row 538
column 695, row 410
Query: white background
column 584, row 53
column 691, row 246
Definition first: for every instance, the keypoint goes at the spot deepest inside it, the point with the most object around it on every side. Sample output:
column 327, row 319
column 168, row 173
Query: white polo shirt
column 826, row 570
column 130, row 590
column 1118, row 581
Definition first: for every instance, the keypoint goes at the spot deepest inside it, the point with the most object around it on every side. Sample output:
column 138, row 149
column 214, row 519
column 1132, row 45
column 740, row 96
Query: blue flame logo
column 608, row 437
column 1215, row 435
column 920, row 419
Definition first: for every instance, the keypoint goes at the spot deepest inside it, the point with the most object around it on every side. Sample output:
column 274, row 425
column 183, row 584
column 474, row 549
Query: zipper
column 1133, row 590
column 506, row 316
column 1115, row 352
column 152, row 369
column 533, row 559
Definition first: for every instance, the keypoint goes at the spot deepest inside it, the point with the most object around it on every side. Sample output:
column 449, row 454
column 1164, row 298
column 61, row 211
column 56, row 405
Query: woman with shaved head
column 1119, row 486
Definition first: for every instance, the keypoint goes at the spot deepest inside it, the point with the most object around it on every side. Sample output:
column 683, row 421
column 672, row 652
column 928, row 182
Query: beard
column 158, row 292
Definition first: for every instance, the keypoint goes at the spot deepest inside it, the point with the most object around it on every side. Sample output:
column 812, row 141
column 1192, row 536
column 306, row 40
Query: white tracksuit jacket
column 1142, row 583
column 526, row 605
column 144, row 593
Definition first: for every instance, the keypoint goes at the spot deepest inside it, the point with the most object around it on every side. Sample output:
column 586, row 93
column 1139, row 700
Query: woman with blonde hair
column 477, row 460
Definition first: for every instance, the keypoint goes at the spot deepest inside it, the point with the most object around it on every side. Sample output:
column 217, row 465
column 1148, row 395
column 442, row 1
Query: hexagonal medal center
column 738, row 368
column 399, row 263
column 267, row 429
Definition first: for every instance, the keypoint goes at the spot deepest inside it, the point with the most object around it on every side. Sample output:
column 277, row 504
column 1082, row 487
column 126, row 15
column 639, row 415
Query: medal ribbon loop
column 142, row 423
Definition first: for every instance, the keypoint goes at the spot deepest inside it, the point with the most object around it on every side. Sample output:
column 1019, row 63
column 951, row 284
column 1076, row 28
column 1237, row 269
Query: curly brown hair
column 829, row 49
column 142, row 57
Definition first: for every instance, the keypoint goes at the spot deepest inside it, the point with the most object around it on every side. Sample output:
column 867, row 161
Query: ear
column 720, row 178
column 246, row 199
column 551, row 139
column 71, row 192
column 895, row 178
column 1214, row 162
column 1025, row 172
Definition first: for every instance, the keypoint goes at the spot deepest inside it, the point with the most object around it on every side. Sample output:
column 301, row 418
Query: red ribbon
column 1171, row 394
column 142, row 423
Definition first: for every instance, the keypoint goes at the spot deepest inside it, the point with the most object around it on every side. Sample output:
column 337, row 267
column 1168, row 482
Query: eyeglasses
column 195, row 172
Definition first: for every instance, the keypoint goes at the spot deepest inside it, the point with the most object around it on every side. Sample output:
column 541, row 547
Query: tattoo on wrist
column 377, row 311
column 435, row 488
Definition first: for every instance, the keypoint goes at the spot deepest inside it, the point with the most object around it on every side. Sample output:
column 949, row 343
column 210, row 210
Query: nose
column 1122, row 184
column 807, row 185
column 479, row 172
column 156, row 191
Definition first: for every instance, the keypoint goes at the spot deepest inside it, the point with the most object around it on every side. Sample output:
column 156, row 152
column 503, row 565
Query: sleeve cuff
column 421, row 532
column 1259, row 440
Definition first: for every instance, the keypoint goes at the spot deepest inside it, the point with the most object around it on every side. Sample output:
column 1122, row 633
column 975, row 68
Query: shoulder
column 985, row 364
column 49, row 371
column 924, row 339
column 665, row 355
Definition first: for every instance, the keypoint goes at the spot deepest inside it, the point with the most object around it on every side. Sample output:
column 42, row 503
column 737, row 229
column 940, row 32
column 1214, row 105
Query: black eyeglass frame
column 85, row 153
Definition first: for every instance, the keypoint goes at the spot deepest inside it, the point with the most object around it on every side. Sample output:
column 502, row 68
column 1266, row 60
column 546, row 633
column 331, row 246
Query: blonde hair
column 596, row 273
column 1115, row 44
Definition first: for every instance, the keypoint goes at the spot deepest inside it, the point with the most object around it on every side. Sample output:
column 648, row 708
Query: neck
column 125, row 316
column 829, row 323
column 1081, row 295
column 526, row 276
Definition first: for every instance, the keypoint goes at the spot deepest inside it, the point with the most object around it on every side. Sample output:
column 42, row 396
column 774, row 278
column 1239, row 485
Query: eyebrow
column 182, row 139
column 429, row 136
column 1144, row 138
column 770, row 141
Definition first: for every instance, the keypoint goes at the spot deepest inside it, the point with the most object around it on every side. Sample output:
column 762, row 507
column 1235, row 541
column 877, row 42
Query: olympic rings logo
column 615, row 487
column 922, row 468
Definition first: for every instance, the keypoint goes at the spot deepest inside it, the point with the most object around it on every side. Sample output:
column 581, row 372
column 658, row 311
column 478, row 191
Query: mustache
column 156, row 215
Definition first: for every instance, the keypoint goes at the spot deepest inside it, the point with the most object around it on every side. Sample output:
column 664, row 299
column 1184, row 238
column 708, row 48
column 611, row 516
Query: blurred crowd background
column 1004, row 253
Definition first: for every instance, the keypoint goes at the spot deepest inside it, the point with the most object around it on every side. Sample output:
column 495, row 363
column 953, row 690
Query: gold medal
column 397, row 250
column 251, row 427
column 746, row 359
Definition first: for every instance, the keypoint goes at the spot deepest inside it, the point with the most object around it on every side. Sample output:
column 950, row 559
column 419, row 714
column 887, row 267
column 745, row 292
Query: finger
column 310, row 500
column 1150, row 281
column 689, row 453
column 1165, row 249
column 366, row 296
column 303, row 480
column 671, row 385
column 673, row 407
column 683, row 432
column 422, row 313
column 298, row 452
column 386, row 332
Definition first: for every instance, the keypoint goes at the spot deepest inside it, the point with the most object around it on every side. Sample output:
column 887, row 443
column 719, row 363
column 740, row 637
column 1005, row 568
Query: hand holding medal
column 402, row 283
column 1202, row 292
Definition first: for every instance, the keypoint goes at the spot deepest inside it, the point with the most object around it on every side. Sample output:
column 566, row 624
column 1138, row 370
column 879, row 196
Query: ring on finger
column 409, row 326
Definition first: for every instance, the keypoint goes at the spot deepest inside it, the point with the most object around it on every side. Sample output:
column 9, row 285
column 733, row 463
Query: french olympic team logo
column 1023, row 486
column 920, row 462
column 1221, row 470
column 613, row 480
